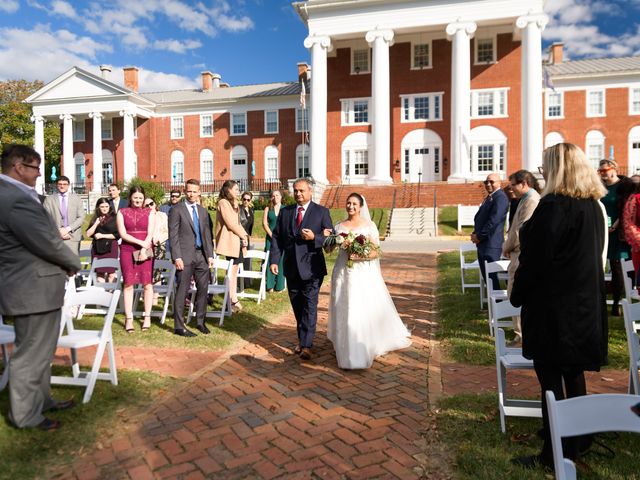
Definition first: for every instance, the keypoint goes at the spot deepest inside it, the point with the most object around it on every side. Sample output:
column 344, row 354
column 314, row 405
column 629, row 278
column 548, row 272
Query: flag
column 303, row 94
column 547, row 80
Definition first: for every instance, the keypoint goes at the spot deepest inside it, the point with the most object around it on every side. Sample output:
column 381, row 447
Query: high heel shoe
column 128, row 325
column 236, row 307
column 146, row 324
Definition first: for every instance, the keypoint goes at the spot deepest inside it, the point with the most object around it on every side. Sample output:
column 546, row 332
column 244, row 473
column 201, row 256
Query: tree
column 16, row 125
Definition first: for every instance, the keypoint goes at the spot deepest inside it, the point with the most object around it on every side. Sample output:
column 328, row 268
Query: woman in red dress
column 135, row 226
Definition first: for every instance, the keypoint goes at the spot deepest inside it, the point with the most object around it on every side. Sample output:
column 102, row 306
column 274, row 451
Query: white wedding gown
column 363, row 321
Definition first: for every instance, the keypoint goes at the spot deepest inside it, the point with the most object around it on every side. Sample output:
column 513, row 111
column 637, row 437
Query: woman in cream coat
column 231, row 238
column 525, row 187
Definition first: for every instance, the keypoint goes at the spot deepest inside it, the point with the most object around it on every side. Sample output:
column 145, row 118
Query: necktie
column 299, row 217
column 63, row 211
column 196, row 225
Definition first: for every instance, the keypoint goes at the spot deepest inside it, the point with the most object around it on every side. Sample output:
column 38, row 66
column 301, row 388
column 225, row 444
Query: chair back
column 501, row 313
column 466, row 215
column 90, row 296
column 256, row 254
column 167, row 271
column 104, row 263
column 631, row 314
column 629, row 292
column 220, row 265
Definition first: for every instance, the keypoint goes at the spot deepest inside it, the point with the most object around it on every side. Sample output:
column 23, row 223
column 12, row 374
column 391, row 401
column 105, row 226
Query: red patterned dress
column 136, row 222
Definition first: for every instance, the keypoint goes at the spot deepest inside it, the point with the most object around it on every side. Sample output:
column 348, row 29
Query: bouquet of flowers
column 358, row 246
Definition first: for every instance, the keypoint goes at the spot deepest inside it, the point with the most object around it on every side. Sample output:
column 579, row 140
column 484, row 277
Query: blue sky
column 245, row 41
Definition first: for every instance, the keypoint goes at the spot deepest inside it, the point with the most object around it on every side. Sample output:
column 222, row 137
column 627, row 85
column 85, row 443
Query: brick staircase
column 406, row 195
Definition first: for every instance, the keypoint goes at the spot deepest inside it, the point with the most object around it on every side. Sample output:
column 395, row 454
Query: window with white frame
column 485, row 50
column 555, row 105
column 206, row 166
column 489, row 103
column 177, row 166
column 355, row 111
column 360, row 60
column 239, row 123
column 177, row 127
column 356, row 163
column 271, row 163
column 421, row 55
column 595, row 103
column 488, row 150
column 271, row 121
column 79, row 170
column 302, row 161
column 206, row 125
column 594, row 147
column 107, row 129
column 634, row 101
column 78, row 130
column 421, row 107
column 302, row 120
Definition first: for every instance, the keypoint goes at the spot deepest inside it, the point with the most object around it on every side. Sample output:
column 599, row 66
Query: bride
column 363, row 321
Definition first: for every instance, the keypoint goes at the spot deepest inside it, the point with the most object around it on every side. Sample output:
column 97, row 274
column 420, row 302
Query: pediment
column 76, row 84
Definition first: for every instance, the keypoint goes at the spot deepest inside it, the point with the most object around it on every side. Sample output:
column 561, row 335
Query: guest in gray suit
column 66, row 210
column 35, row 264
column 191, row 245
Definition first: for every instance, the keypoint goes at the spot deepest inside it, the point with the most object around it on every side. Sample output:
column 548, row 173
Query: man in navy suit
column 298, row 236
column 488, row 225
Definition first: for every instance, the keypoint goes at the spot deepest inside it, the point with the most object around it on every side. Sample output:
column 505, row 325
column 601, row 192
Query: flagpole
column 303, row 105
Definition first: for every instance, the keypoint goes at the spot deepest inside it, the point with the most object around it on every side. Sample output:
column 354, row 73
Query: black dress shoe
column 305, row 353
column 533, row 461
column 65, row 405
column 48, row 424
column 203, row 328
column 184, row 333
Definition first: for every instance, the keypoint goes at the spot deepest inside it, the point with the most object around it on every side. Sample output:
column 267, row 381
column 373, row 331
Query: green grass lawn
column 470, row 426
column 448, row 222
column 30, row 453
column 464, row 328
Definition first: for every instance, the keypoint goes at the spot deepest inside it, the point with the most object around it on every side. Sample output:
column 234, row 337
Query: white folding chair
column 216, row 288
column 468, row 266
column 102, row 339
column 630, row 293
column 631, row 314
column 92, row 282
column 255, row 275
column 511, row 359
column 493, row 296
column 85, row 263
column 588, row 414
column 7, row 337
column 164, row 289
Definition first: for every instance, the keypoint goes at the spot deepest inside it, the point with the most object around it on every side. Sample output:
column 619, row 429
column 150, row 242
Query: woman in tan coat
column 231, row 238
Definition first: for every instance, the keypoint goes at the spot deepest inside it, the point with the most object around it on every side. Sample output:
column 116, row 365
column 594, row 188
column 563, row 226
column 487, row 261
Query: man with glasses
column 65, row 208
column 35, row 264
column 174, row 198
column 488, row 225
column 246, row 220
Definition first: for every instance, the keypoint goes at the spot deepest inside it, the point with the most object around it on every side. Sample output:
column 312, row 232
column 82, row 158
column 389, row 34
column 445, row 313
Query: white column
column 129, row 152
column 380, row 41
column 68, row 165
column 319, row 46
column 460, row 33
column 97, row 151
column 532, row 131
column 38, row 146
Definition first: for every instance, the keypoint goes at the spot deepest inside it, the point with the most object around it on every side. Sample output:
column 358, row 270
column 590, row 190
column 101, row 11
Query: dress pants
column 199, row 269
column 30, row 367
column 303, row 295
column 489, row 255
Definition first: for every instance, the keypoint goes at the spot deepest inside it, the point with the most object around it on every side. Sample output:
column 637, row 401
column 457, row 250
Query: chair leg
column 5, row 374
column 112, row 363
column 92, row 376
column 190, row 314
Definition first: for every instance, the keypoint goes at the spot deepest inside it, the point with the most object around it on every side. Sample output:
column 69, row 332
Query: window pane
column 207, row 171
column 361, row 162
column 421, row 108
column 272, row 167
column 595, row 153
column 436, row 160
column 361, row 60
column 239, row 123
column 501, row 158
column 106, row 129
column 485, row 50
column 302, row 163
column 502, row 102
column 485, row 158
column 302, row 120
column 405, row 107
column 555, row 105
column 635, row 100
column 177, row 130
column 421, row 55
column 206, row 126
column 485, row 104
column 407, row 154
column 360, row 111
column 272, row 122
column 78, row 131
column 436, row 107
column 596, row 103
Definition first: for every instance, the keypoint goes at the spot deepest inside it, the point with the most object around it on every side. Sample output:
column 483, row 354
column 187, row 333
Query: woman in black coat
column 560, row 285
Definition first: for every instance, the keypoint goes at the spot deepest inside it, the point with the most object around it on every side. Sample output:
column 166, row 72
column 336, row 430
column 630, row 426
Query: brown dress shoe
column 305, row 354
column 297, row 350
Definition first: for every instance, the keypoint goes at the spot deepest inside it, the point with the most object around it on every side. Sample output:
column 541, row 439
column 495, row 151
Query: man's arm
column 174, row 234
column 325, row 223
column 77, row 219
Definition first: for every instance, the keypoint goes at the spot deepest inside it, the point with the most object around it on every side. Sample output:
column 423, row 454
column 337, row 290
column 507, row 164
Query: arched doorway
column 553, row 138
column 239, row 163
column 421, row 156
column 355, row 157
column 107, row 168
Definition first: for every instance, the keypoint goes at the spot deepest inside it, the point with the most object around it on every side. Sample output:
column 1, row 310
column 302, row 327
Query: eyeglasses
column 487, row 182
column 540, row 170
column 175, row 196
column 246, row 199
column 35, row 167
column 150, row 204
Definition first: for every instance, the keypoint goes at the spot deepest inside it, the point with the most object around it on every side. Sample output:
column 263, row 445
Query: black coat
column 560, row 284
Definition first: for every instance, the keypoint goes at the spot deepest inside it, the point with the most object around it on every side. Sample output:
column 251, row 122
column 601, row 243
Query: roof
column 595, row 67
column 225, row 93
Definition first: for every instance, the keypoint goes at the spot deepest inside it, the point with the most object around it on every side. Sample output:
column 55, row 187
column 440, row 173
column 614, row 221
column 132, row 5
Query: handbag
column 142, row 254
column 102, row 245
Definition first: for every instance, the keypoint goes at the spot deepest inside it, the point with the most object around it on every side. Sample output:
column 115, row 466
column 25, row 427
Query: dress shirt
column 304, row 209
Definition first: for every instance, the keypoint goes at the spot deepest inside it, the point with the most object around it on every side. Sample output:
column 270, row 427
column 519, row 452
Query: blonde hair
column 569, row 173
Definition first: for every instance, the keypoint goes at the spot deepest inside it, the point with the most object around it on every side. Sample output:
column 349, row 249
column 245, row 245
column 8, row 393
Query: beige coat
column 511, row 245
column 229, row 232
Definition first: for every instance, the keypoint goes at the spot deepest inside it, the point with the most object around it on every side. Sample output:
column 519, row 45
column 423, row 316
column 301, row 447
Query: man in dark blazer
column 488, row 225
column 35, row 264
column 190, row 238
column 298, row 236
column 114, row 198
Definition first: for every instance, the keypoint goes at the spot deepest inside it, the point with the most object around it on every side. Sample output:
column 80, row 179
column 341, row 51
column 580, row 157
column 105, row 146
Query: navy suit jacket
column 302, row 258
column 488, row 224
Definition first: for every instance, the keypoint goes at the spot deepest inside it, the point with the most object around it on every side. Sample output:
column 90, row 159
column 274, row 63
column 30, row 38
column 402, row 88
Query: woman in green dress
column 269, row 219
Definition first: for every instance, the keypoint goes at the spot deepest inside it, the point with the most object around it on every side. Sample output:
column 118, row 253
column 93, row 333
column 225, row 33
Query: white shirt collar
column 305, row 206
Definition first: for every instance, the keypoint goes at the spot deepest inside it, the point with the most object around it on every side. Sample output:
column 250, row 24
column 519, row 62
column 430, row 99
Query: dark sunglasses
column 246, row 199
column 150, row 204
column 487, row 182
column 175, row 196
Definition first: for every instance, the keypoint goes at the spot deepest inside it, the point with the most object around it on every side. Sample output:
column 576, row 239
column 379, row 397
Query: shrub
column 151, row 189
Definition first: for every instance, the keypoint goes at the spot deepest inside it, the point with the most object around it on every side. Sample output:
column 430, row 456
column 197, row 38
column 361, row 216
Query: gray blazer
column 33, row 258
column 74, row 211
column 182, row 236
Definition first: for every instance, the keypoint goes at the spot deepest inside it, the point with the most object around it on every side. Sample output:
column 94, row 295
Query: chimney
column 207, row 81
column 131, row 78
column 303, row 69
column 556, row 53
column 105, row 71
column 215, row 77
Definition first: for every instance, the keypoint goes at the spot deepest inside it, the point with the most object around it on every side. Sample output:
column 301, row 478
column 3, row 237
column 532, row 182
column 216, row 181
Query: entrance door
column 422, row 164
column 239, row 170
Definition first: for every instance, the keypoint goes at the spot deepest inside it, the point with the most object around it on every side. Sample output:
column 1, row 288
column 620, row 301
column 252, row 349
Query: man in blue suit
column 488, row 225
column 298, row 236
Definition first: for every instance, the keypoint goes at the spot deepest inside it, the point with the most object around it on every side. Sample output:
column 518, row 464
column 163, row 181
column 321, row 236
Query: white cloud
column 234, row 24
column 9, row 6
column 176, row 46
column 62, row 8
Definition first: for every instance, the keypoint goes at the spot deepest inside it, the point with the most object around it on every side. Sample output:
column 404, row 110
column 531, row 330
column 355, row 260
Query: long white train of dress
column 363, row 320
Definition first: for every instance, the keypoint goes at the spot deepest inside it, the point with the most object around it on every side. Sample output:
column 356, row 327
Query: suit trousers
column 30, row 367
column 489, row 255
column 199, row 269
column 303, row 295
